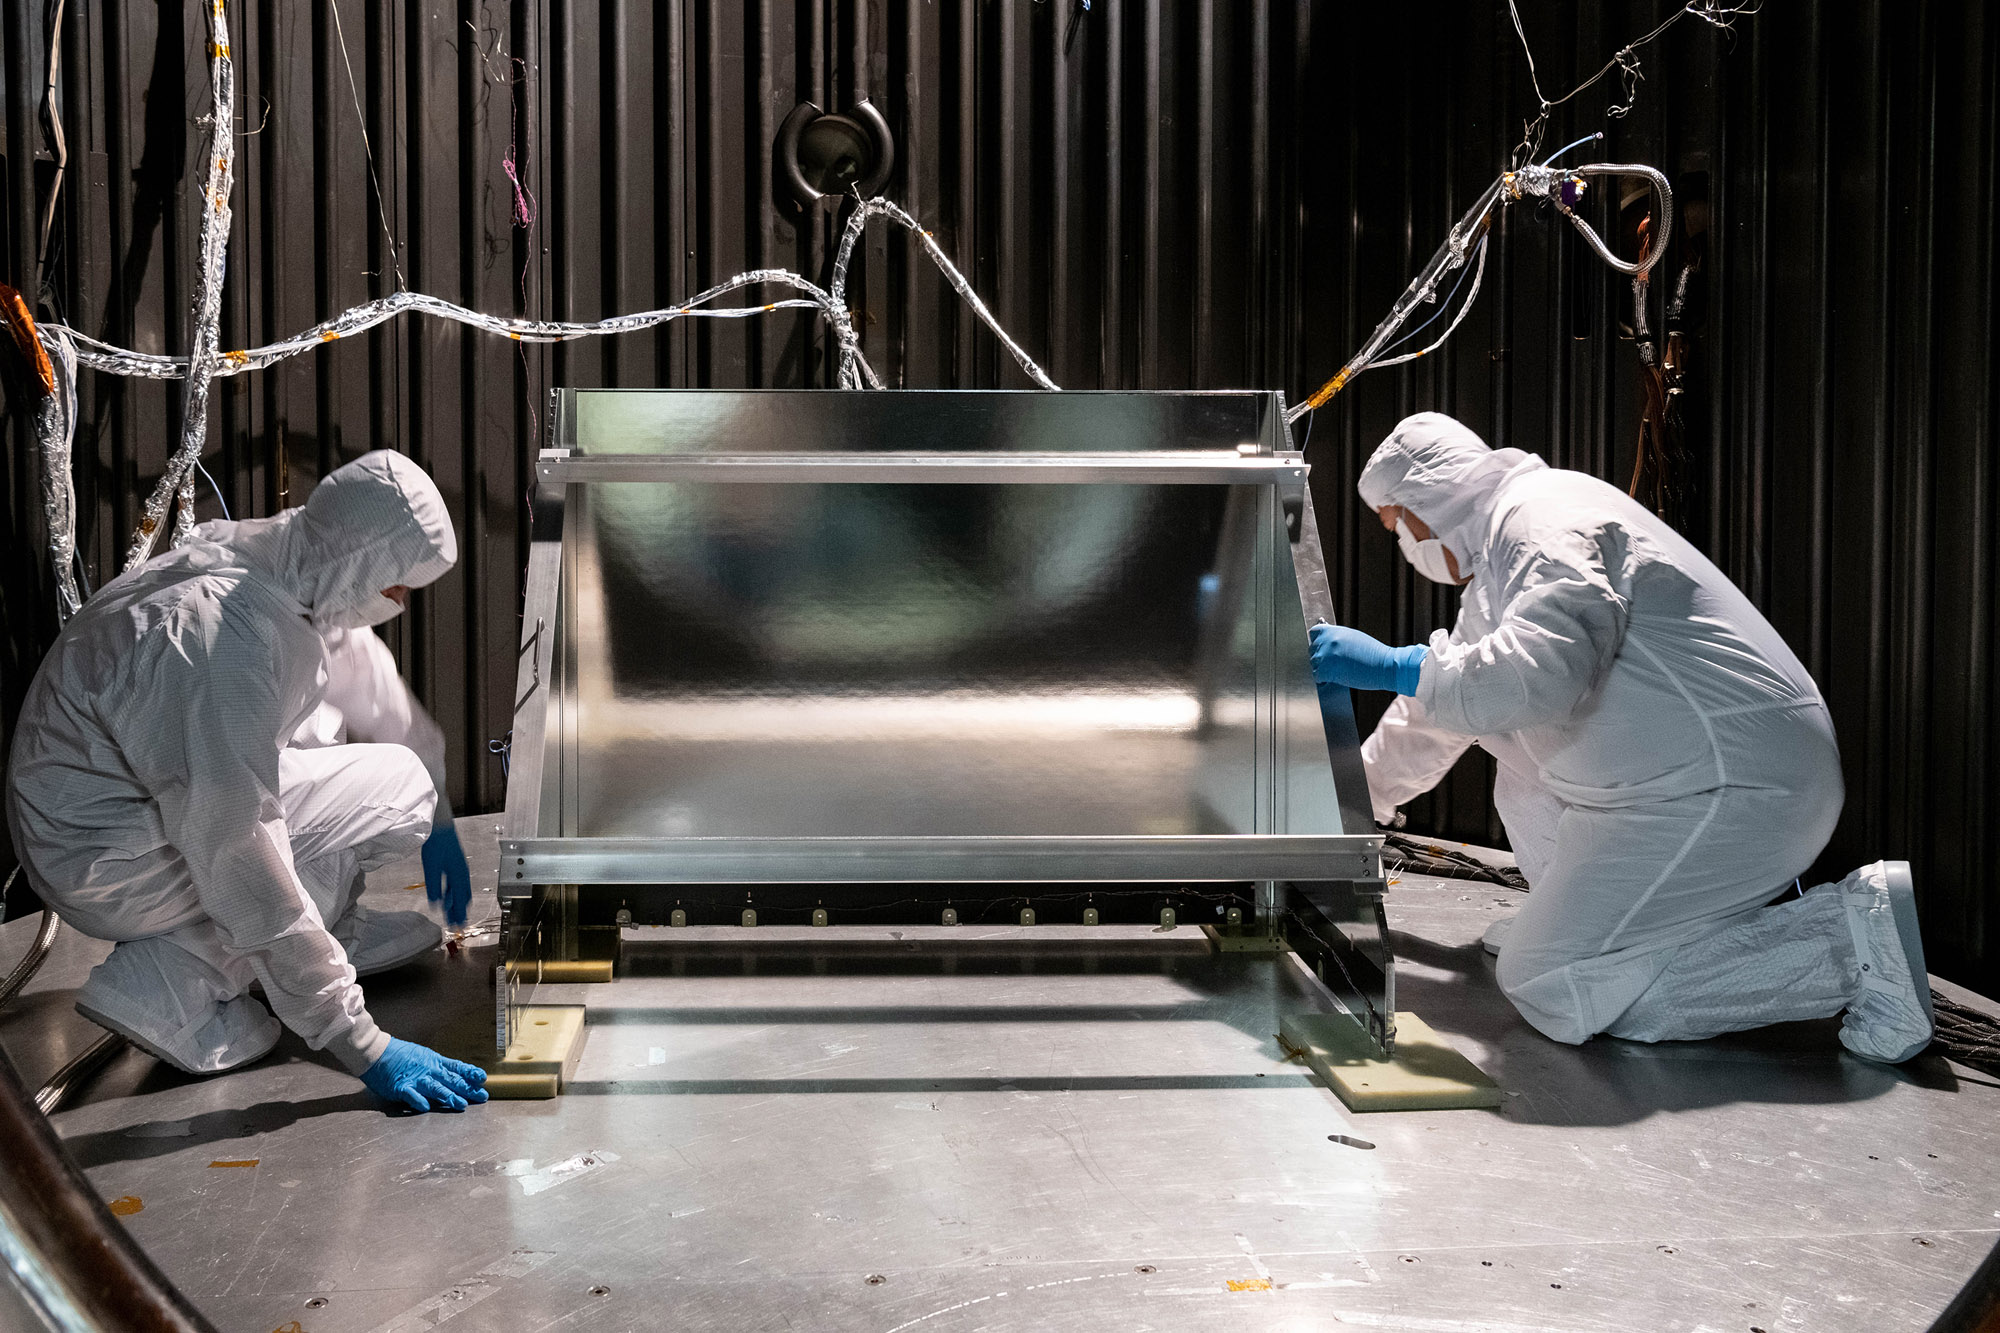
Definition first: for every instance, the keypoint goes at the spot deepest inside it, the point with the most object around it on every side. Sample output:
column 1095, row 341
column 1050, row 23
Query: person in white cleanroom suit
column 168, row 788
column 1666, row 765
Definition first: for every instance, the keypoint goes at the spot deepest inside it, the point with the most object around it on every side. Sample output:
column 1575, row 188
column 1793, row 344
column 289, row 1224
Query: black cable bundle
column 1966, row 1035
column 1427, row 858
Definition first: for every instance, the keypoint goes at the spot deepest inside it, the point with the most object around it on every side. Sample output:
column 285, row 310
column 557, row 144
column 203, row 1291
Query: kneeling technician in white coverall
column 1666, row 765
column 177, row 784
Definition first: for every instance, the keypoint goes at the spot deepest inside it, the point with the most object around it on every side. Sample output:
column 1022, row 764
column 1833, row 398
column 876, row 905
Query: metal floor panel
column 1043, row 1128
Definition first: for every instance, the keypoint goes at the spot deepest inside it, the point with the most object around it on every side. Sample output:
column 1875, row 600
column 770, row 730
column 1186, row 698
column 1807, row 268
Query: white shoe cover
column 1891, row 1020
column 175, row 1007
column 1496, row 934
column 378, row 941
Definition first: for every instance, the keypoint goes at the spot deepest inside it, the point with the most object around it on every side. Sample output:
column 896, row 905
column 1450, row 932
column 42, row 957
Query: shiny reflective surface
column 823, row 659
column 1097, row 1122
column 932, row 638
column 819, row 660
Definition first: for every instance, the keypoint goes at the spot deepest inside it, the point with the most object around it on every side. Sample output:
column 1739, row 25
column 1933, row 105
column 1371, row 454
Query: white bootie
column 176, row 1007
column 1890, row 1021
column 1496, row 934
column 378, row 941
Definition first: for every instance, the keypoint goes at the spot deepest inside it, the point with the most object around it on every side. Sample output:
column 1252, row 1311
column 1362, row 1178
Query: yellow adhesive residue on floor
column 1250, row 1284
column 127, row 1206
column 1425, row 1074
column 249, row 1161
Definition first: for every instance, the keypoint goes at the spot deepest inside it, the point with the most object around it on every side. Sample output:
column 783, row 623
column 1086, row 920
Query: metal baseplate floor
column 1050, row 1128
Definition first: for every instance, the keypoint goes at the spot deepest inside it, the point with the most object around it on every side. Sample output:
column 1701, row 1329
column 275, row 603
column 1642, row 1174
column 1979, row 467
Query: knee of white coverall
column 370, row 803
column 1545, row 997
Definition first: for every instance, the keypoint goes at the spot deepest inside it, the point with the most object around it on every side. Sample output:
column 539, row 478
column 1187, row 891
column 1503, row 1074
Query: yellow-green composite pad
column 547, row 1043
column 1425, row 1074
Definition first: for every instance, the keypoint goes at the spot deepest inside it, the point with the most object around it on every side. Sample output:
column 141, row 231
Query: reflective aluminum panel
column 839, row 638
column 875, row 660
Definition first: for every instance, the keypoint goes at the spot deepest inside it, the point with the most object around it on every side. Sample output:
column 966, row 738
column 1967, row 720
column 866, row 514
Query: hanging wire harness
column 1561, row 188
column 61, row 349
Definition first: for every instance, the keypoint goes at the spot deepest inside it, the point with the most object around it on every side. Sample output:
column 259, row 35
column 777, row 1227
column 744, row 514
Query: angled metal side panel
column 536, row 749
column 1334, row 708
column 535, row 746
column 1311, row 798
column 1335, row 919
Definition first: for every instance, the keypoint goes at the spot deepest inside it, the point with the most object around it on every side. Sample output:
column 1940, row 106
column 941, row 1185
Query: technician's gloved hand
column 422, row 1080
column 446, row 875
column 1343, row 656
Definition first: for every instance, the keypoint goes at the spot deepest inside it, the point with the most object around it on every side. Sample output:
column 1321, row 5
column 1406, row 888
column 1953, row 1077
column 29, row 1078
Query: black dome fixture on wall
column 823, row 155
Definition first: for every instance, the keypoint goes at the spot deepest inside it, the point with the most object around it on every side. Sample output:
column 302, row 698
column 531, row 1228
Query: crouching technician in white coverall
column 176, row 784
column 1666, row 765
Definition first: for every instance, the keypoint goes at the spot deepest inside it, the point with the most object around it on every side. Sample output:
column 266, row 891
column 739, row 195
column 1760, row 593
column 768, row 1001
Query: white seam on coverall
column 1715, row 803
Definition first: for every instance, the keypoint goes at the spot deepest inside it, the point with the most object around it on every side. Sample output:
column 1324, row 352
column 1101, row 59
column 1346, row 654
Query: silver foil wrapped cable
column 207, row 363
column 104, row 357
column 178, row 479
column 55, row 434
column 850, row 346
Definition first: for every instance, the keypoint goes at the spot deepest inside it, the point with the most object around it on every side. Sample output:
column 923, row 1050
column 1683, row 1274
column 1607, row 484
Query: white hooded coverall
column 1666, row 764
column 154, row 800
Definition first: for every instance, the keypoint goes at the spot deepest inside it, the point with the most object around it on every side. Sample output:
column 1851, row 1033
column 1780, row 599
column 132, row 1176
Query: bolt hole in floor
column 1028, row 1114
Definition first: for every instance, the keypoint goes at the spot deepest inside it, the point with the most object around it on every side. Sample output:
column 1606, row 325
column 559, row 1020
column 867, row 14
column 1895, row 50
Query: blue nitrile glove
column 446, row 875
column 1343, row 656
column 421, row 1079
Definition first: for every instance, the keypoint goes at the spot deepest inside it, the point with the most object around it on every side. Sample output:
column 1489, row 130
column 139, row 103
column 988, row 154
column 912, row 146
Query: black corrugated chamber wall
column 1204, row 194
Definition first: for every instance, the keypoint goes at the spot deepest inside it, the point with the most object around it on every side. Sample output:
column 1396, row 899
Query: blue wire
column 1578, row 144
column 218, row 490
column 1464, row 270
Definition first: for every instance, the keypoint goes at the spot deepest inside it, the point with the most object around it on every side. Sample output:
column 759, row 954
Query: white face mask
column 1426, row 557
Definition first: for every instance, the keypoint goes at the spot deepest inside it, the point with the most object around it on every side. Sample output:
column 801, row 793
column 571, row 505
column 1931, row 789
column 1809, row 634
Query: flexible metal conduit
column 67, row 1256
column 52, row 1094
column 31, row 961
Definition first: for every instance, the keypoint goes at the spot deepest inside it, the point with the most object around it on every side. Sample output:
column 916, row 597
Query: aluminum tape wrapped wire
column 104, row 357
column 850, row 347
column 178, row 479
column 203, row 366
column 55, row 436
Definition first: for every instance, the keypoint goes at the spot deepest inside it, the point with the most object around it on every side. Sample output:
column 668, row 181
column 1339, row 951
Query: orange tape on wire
column 21, row 323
